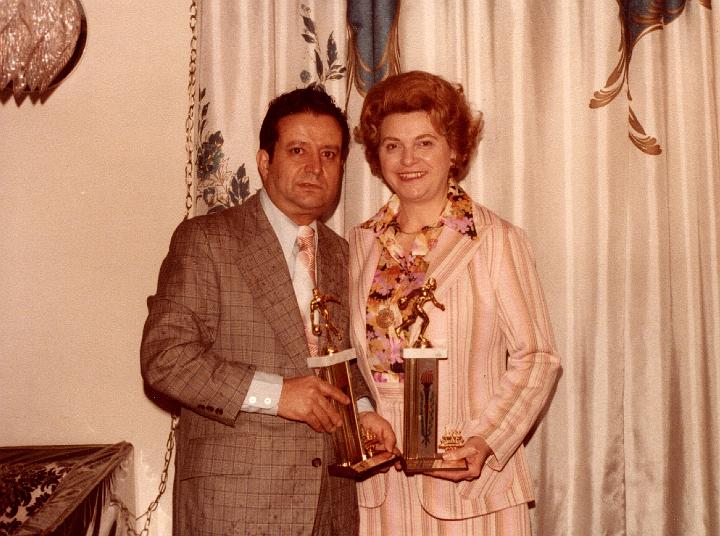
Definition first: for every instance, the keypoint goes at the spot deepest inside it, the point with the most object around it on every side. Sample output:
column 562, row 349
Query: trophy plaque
column 355, row 447
column 421, row 451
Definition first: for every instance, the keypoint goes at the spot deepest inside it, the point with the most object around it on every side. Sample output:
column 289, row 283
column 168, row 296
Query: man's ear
column 263, row 163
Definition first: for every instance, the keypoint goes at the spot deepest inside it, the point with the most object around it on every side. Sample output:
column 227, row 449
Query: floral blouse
column 398, row 274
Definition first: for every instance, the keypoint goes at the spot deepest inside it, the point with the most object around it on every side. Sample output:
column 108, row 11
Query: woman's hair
column 415, row 91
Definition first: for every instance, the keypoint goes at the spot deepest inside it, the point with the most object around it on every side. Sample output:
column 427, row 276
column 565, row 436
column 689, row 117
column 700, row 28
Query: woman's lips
column 411, row 175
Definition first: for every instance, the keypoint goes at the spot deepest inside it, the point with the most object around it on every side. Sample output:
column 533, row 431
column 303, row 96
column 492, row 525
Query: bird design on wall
column 637, row 19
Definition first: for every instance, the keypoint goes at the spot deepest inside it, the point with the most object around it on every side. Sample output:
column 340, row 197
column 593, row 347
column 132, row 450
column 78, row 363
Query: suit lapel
column 365, row 254
column 332, row 280
column 450, row 257
column 263, row 265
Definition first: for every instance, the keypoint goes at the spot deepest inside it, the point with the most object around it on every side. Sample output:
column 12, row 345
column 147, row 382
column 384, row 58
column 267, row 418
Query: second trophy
column 420, row 435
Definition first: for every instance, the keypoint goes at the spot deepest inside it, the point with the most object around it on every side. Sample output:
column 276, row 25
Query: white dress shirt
column 263, row 395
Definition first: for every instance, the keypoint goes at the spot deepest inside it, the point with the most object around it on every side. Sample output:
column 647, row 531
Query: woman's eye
column 296, row 150
column 390, row 146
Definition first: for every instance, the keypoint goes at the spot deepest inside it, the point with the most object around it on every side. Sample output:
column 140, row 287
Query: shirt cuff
column 263, row 396
column 363, row 404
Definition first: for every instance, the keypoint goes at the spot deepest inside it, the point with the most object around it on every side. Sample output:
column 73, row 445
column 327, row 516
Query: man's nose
column 314, row 163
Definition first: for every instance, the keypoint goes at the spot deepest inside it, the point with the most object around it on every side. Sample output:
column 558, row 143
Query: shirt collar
column 457, row 213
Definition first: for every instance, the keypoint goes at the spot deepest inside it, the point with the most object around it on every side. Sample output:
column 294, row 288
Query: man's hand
column 475, row 451
column 308, row 399
column 381, row 428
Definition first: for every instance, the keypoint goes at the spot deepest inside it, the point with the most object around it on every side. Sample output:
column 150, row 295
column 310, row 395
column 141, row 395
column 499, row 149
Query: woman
column 419, row 136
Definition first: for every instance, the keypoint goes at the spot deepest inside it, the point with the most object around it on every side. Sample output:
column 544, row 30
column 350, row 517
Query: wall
column 91, row 189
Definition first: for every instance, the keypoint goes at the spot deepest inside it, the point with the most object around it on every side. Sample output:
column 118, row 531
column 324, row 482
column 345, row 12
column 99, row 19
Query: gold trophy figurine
column 355, row 447
column 318, row 309
column 419, row 297
column 421, row 391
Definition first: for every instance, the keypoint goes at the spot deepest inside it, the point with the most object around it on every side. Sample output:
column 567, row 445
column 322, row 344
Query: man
column 227, row 337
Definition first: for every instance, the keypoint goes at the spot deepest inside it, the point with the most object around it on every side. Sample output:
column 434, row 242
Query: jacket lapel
column 332, row 280
column 364, row 257
column 449, row 260
column 450, row 256
column 263, row 266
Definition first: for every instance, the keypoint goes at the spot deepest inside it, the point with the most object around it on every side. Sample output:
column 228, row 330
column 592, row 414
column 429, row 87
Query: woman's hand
column 372, row 421
column 475, row 451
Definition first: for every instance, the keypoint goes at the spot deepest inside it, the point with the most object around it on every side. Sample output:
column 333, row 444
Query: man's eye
column 329, row 154
column 296, row 150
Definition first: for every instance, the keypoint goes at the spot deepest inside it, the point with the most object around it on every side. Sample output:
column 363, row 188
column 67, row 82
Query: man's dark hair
column 311, row 99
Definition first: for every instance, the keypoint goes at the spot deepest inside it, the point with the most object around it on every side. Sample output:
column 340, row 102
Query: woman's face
column 415, row 159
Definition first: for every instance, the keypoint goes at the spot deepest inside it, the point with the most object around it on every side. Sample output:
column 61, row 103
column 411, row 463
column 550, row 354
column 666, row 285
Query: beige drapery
column 627, row 243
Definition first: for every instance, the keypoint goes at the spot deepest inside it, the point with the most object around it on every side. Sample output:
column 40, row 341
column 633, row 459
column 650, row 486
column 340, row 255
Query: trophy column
column 420, row 426
column 355, row 452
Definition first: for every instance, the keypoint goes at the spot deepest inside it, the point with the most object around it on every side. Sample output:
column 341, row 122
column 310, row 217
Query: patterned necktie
column 304, row 280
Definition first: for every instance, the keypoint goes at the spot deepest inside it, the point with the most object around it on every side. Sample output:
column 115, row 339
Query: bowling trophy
column 420, row 431
column 356, row 454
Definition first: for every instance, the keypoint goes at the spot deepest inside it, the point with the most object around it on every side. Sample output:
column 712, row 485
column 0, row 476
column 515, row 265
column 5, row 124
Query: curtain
column 249, row 52
column 602, row 141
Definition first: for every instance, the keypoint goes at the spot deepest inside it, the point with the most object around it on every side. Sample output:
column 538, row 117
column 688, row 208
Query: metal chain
column 190, row 119
column 169, row 447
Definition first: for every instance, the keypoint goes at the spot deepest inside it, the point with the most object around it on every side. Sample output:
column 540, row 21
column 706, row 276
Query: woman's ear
column 453, row 165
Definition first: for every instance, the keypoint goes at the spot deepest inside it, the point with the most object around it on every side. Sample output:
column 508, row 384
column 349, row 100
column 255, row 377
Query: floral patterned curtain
column 248, row 52
column 602, row 141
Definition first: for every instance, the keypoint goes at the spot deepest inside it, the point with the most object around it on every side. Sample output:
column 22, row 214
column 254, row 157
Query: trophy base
column 415, row 466
column 365, row 468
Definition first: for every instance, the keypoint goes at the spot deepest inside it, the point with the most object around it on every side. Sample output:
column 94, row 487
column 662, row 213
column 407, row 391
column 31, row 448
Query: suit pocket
column 226, row 454
column 491, row 483
column 372, row 492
